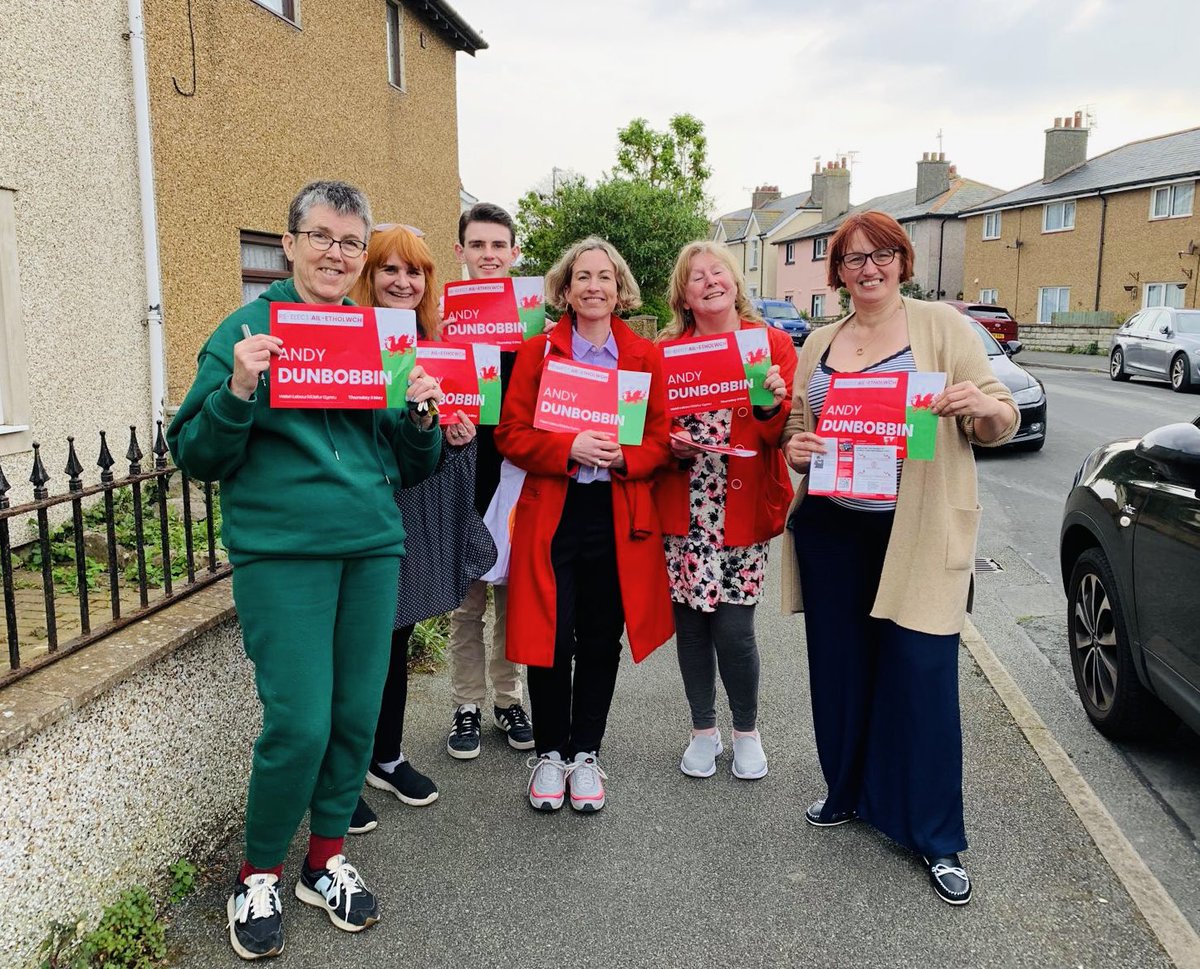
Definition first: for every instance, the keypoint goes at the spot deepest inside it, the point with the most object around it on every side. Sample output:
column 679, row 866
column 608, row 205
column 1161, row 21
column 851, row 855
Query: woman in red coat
column 587, row 555
column 719, row 513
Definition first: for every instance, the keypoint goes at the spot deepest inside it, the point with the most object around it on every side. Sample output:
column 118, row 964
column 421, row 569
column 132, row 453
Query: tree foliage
column 651, row 205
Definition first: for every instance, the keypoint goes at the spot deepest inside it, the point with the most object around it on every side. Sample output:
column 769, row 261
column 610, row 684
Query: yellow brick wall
column 275, row 106
column 1134, row 246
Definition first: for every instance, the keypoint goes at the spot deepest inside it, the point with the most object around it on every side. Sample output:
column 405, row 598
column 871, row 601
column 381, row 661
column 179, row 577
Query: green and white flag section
column 469, row 374
column 348, row 357
column 576, row 397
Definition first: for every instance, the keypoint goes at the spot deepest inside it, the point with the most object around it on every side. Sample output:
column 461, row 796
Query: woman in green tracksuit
column 315, row 540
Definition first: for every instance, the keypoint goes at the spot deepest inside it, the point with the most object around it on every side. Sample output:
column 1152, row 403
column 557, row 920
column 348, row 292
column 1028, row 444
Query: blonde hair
column 682, row 321
column 410, row 249
column 558, row 279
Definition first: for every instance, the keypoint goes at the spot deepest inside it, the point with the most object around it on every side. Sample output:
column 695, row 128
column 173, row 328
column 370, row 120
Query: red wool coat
column 545, row 456
column 758, row 490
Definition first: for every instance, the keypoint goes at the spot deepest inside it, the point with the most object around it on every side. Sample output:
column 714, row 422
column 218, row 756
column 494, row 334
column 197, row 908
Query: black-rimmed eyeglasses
column 351, row 248
column 881, row 257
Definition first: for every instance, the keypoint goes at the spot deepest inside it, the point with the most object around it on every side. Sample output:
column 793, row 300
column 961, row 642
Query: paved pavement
column 1062, row 361
column 719, row 872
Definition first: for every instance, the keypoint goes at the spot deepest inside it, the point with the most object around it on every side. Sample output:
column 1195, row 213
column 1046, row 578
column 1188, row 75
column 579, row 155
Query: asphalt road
column 1153, row 790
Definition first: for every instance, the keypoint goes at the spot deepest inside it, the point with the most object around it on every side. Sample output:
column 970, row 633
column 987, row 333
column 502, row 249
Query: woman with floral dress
column 718, row 513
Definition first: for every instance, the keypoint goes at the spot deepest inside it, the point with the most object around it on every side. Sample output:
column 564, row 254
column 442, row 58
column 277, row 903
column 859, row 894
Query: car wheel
column 1112, row 695
column 1116, row 365
column 1181, row 375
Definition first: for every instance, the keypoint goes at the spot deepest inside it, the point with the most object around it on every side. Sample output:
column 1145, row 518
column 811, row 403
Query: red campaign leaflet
column 347, row 357
column 503, row 312
column 470, row 377
column 868, row 422
column 576, row 397
column 703, row 374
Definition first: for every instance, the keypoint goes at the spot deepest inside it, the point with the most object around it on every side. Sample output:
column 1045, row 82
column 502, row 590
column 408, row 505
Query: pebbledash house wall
column 275, row 105
column 72, row 278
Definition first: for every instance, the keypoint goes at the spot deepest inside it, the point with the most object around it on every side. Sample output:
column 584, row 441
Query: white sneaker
column 587, row 789
column 548, row 782
column 700, row 758
column 749, row 759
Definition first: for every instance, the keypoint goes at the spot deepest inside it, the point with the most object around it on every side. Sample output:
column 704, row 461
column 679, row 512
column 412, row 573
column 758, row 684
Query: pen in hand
column 262, row 376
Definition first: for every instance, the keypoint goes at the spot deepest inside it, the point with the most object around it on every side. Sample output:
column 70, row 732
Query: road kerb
column 1173, row 931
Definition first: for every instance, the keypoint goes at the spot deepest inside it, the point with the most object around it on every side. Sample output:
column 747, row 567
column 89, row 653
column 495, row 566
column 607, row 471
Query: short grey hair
column 342, row 197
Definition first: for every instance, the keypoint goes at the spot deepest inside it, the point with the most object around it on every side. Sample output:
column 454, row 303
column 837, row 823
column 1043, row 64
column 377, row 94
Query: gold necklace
column 859, row 351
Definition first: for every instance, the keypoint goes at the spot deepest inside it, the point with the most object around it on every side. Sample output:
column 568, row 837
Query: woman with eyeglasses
column 886, row 582
column 447, row 546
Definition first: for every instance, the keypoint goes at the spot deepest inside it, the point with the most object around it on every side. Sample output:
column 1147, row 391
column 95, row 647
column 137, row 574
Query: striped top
column 818, row 389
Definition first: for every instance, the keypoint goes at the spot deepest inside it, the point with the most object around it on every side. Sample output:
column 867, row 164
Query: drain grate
column 983, row 564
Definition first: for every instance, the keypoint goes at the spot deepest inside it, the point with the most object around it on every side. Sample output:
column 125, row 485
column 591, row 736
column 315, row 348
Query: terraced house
column 1114, row 233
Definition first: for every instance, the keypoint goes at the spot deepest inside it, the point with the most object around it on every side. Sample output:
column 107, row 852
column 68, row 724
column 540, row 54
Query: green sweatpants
column 319, row 634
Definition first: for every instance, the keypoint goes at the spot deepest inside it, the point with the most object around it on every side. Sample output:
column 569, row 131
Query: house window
column 789, row 254
column 753, row 253
column 820, row 247
column 991, row 225
column 1058, row 216
column 787, row 297
column 281, row 8
column 754, row 292
column 14, row 397
column 1164, row 294
column 989, row 296
column 1051, row 300
column 911, row 229
column 818, row 304
column 263, row 262
column 395, row 45
column 1172, row 201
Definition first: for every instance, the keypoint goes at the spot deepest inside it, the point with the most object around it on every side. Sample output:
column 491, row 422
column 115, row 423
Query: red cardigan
column 759, row 490
column 545, row 456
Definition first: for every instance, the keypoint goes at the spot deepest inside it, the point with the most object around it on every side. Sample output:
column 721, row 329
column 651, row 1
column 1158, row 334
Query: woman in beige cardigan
column 887, row 581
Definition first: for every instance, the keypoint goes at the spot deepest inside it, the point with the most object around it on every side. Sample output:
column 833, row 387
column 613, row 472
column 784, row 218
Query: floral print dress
column 704, row 572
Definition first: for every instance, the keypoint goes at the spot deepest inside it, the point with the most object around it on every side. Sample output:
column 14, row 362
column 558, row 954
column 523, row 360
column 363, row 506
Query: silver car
column 1161, row 342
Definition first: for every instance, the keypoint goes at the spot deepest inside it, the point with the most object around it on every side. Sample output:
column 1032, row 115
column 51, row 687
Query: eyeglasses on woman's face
column 881, row 257
column 351, row 248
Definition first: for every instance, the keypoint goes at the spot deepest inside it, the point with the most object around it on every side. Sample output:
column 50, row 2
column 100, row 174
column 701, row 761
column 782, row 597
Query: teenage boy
column 487, row 247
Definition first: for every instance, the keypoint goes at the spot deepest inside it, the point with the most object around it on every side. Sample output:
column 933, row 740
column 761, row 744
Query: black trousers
column 389, row 732
column 570, row 705
column 884, row 698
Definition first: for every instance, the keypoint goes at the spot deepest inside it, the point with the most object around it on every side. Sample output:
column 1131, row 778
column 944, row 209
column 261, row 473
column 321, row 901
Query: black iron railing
column 144, row 488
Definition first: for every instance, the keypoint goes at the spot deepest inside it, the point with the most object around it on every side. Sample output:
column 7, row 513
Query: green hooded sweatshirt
column 295, row 483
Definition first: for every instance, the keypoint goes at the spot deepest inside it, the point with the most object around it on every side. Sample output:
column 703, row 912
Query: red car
column 995, row 319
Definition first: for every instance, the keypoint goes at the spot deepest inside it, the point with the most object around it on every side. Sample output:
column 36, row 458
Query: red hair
column 881, row 231
column 399, row 242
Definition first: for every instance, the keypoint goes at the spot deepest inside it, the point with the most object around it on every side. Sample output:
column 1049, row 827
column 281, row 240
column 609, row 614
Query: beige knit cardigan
column 928, row 569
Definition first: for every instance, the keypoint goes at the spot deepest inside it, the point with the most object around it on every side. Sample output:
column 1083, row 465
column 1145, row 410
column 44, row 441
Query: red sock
column 248, row 870
column 320, row 850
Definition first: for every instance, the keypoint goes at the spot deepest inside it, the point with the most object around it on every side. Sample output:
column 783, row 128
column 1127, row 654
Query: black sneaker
column 255, row 917
column 338, row 889
column 406, row 782
column 514, row 721
column 816, row 815
column 463, row 742
column 363, row 819
column 950, row 879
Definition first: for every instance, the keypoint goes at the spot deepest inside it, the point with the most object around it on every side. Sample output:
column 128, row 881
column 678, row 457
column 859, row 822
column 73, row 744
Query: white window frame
column 989, row 296
column 820, row 247
column 789, row 254
column 753, row 292
column 15, row 435
column 1174, row 196
column 817, row 305
column 1062, row 297
column 910, row 228
column 286, row 10
column 991, row 225
column 395, row 44
column 753, row 253
column 1066, row 217
column 1163, row 294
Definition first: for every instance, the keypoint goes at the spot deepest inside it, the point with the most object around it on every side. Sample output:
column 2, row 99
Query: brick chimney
column 835, row 194
column 764, row 194
column 1066, row 146
column 933, row 176
column 818, row 183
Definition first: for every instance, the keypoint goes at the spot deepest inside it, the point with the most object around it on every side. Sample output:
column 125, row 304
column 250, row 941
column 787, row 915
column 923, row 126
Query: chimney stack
column 1066, row 146
column 764, row 194
column 835, row 197
column 933, row 176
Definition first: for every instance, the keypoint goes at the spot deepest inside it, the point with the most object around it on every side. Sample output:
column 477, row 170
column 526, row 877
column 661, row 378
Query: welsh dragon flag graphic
column 755, row 351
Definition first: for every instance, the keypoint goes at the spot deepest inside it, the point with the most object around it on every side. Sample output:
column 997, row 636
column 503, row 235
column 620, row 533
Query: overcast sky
column 779, row 82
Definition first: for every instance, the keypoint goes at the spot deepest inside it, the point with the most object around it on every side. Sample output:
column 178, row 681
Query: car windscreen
column 781, row 311
column 1188, row 322
column 988, row 312
column 990, row 346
